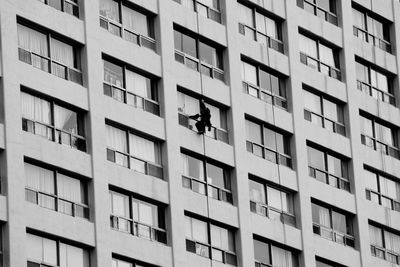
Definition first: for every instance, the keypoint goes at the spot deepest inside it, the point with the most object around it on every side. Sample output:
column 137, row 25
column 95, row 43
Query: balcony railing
column 208, row 251
column 385, row 201
column 328, row 178
column 333, row 235
column 138, row 229
column 320, row 66
column 270, row 42
column 118, row 29
column 134, row 163
column 370, row 38
column 49, row 65
column 31, row 263
column 376, row 92
column 264, row 95
column 269, row 154
column 200, row 66
column 67, row 6
column 324, row 122
column 261, row 264
column 385, row 254
column 56, row 203
column 53, row 134
column 204, row 10
column 380, row 146
column 318, row 11
column 215, row 133
column 210, row 190
column 272, row 213
column 122, row 95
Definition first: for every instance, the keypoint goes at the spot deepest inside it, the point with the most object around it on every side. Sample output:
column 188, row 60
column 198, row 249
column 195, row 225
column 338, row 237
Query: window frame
column 150, row 105
column 270, row 245
column 383, row 252
column 329, row 15
column 68, row 6
column 158, row 234
column 212, row 13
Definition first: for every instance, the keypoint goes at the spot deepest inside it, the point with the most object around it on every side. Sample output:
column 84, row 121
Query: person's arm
column 194, row 117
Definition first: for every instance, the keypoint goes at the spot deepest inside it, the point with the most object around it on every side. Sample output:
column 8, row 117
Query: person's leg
column 200, row 127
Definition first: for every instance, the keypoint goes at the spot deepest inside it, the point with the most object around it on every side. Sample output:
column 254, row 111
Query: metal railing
column 376, row 92
column 385, row 254
column 53, row 134
column 324, row 122
column 67, row 6
column 208, row 251
column 270, row 42
column 118, row 29
column 330, row 179
column 320, row 66
column 138, row 229
column 370, row 38
column 122, row 95
column 266, row 96
column 56, row 203
column 329, row 233
column 206, row 11
column 49, row 65
column 269, row 154
column 134, row 163
column 272, row 213
column 197, row 65
column 380, row 146
column 318, row 11
column 383, row 200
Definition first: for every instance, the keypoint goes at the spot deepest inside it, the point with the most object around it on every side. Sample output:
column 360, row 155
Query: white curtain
column 116, row 139
column 281, row 257
column 358, row 18
column 187, row 104
column 32, row 40
column 382, row 82
column 326, row 55
column 65, row 119
column 249, row 73
column 119, row 204
column 113, row 74
column 215, row 116
column 41, row 249
column 390, row 188
column 308, row 46
column 324, row 217
column 392, row 242
column 312, row 102
column 384, row 134
column 135, row 21
column 71, row 256
column 199, row 229
column 192, row 167
column 246, row 16
column 375, row 235
column 274, row 198
column 366, row 126
column 42, row 111
column 39, row 178
column 270, row 25
column 70, row 188
column 137, row 84
column 109, row 9
column 27, row 106
column 143, row 148
column 144, row 212
column 253, row 132
column 339, row 222
column 62, row 53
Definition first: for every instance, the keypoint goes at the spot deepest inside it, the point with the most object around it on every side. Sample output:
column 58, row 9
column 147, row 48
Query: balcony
column 376, row 93
column 273, row 213
column 385, row 254
column 324, row 122
column 320, row 67
column 268, row 154
column 208, row 251
column 327, row 178
column 369, row 38
column 275, row 44
column 265, row 96
column 380, row 146
column 333, row 235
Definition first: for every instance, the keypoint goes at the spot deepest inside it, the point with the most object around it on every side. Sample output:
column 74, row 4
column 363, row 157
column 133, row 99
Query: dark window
column 325, row 9
column 206, row 178
column 130, row 87
column 268, row 143
column 207, row 8
column 332, row 224
column 319, row 56
column 128, row 23
column 322, row 111
column 49, row 53
column 267, row 254
column 210, row 241
column 52, row 121
column 320, row 262
column 198, row 55
column 137, row 217
column 134, row 151
column 385, row 244
column 263, row 84
column 328, row 168
column 272, row 202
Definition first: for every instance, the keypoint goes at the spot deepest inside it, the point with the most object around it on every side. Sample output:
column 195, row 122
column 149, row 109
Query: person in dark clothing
column 205, row 118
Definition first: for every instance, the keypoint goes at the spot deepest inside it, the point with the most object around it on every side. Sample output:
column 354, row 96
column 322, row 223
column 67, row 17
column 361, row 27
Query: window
column 128, row 263
column 43, row 251
column 210, row 241
column 382, row 190
column 261, row 83
column 319, row 56
column 130, row 87
column 124, row 21
column 49, row 54
column 67, row 6
column 188, row 106
column 267, row 254
column 52, row 121
column 379, row 136
column 271, row 202
column 371, row 30
column 384, row 244
column 322, row 111
column 207, row 8
column 198, row 55
column 332, row 224
column 320, row 262
column 258, row 27
column 206, row 178
column 56, row 191
column 325, row 9
column 268, row 143
column 328, row 168
column 137, row 217
column 133, row 151
column 374, row 83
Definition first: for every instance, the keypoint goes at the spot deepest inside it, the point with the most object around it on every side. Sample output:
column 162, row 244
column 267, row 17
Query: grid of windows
column 325, row 9
column 268, row 254
column 385, row 244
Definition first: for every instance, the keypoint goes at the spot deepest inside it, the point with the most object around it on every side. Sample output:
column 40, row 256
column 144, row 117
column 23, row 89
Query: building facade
column 101, row 164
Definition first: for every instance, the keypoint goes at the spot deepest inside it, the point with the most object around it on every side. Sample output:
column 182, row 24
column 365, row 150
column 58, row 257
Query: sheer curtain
column 42, row 111
column 358, row 18
column 246, row 16
column 375, row 235
column 392, row 242
column 187, row 104
column 42, row 249
column 39, row 178
column 253, row 132
column 321, row 215
column 32, row 40
column 116, row 139
column 109, row 9
column 71, row 256
column 339, row 223
column 61, row 53
column 144, row 212
column 192, row 167
column 138, row 84
column 274, row 198
column 143, row 148
column 113, row 74
column 257, row 192
column 119, row 204
column 390, row 188
column 281, row 257
column 308, row 46
column 215, row 116
column 326, row 55
column 249, row 73
column 65, row 119
column 27, row 106
column 69, row 188
column 135, row 21
column 312, row 102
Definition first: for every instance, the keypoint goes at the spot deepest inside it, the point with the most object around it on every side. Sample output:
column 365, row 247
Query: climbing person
column 205, row 118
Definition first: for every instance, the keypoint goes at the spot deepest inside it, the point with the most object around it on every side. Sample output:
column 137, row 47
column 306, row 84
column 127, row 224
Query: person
column 205, row 118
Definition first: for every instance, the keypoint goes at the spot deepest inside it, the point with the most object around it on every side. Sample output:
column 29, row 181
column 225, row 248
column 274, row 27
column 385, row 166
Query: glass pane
column 199, row 229
column 257, row 192
column 32, row 41
column 144, row 149
column 260, row 23
column 261, row 252
column 70, row 189
column 116, row 139
column 65, row 119
column 249, row 73
column 316, row 158
column 135, row 21
column 321, row 215
column 274, row 198
column 312, row 102
column 119, row 205
column 209, row 55
column 138, row 84
column 246, row 16
column 371, row 180
column 39, row 178
column 326, row 55
column 362, row 72
column 109, row 9
column 113, row 74
column 270, row 139
column 192, row 167
column 189, row 45
column 335, row 166
column 366, row 126
column 375, row 235
column 308, row 46
column 281, row 257
column 253, row 132
column 339, row 222
column 217, row 176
